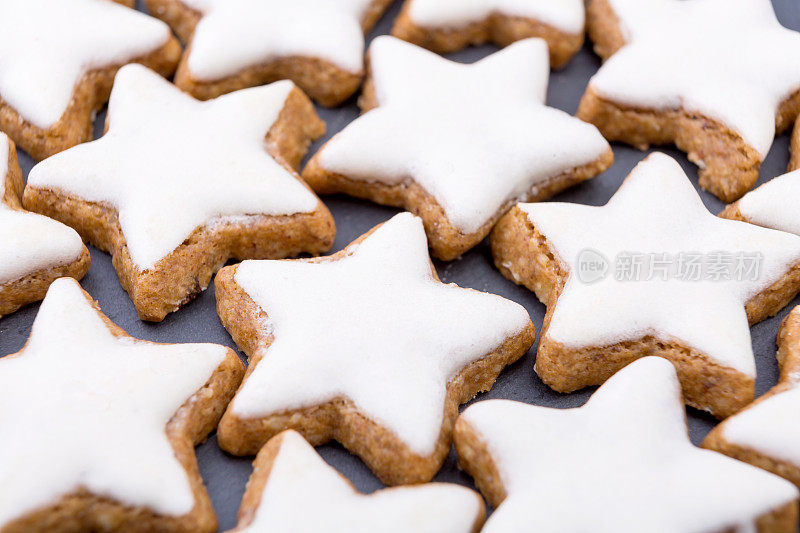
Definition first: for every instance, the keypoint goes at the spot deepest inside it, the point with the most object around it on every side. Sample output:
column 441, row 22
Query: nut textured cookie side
column 622, row 462
column 366, row 347
column 104, row 426
column 460, row 147
column 236, row 44
column 675, row 74
column 448, row 26
column 176, row 186
column 650, row 273
column 765, row 433
column 34, row 250
column 289, row 478
column 75, row 62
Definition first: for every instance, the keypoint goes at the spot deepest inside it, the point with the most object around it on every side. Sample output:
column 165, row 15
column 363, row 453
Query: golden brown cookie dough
column 90, row 95
column 388, row 455
column 794, row 161
column 497, row 28
column 524, row 255
column 448, row 505
column 33, row 286
column 722, row 441
column 83, row 510
column 185, row 272
column 324, row 81
column 728, row 166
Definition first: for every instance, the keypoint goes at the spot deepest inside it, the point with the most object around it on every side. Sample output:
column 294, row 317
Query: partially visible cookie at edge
column 445, row 26
column 34, row 250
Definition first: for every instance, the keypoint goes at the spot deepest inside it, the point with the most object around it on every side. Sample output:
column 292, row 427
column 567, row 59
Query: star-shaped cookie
column 718, row 78
column 34, row 250
column 650, row 273
column 54, row 74
column 622, row 462
column 176, row 186
column 366, row 347
column 290, row 478
column 457, row 144
column 233, row 44
column 99, row 428
column 772, row 205
column 448, row 25
column 766, row 434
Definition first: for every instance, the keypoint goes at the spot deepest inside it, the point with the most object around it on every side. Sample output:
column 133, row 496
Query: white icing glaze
column 46, row 46
column 170, row 164
column 30, row 242
column 89, row 411
column 713, row 57
column 774, row 204
column 374, row 327
column 301, row 480
column 565, row 15
column 236, row 34
column 473, row 136
column 769, row 427
column 656, row 210
column 623, row 462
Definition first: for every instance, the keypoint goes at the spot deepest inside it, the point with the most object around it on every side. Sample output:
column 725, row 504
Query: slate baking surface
column 225, row 475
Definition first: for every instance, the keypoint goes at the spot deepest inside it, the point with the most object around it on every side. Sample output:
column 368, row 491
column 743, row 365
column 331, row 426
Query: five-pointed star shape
column 772, row 205
column 766, row 433
column 713, row 57
column 373, row 326
column 474, row 137
column 42, row 57
column 29, row 242
column 565, row 15
column 86, row 409
column 657, row 211
column 236, row 34
column 623, row 462
column 170, row 164
column 299, row 479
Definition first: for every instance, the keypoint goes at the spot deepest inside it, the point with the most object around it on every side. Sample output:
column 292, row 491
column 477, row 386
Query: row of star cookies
column 135, row 410
column 54, row 76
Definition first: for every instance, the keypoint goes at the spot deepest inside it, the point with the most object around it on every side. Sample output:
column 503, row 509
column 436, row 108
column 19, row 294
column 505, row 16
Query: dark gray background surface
column 225, row 475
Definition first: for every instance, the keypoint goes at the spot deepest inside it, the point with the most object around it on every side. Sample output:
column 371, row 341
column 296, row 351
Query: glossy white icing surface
column 657, row 211
column 46, row 46
column 565, row 15
column 374, row 327
column 623, row 462
column 729, row 60
column 235, row 34
column 88, row 410
column 29, row 242
column 170, row 164
column 473, row 136
column 774, row 204
column 305, row 495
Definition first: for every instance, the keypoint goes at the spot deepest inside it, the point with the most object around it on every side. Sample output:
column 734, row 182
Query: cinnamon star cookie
column 57, row 63
column 366, row 347
column 650, row 273
column 772, row 205
column 449, row 25
column 176, row 186
column 293, row 490
column 622, row 462
column 34, row 250
column 457, row 144
column 233, row 44
column 718, row 78
column 766, row 433
column 99, row 428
